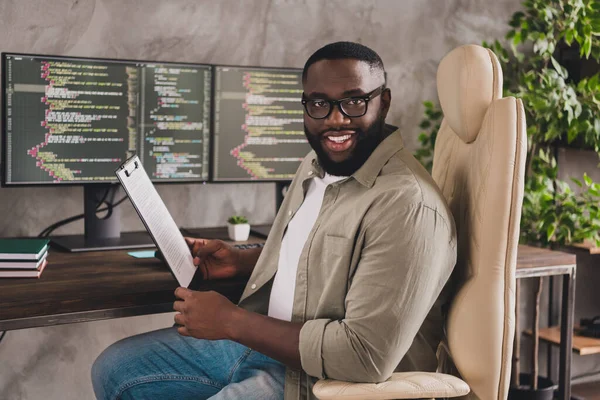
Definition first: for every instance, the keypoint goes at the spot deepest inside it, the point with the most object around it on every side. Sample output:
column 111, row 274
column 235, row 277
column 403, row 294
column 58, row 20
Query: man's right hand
column 219, row 260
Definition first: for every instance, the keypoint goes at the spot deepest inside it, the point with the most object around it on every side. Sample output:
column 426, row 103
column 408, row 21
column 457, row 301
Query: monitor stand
column 102, row 233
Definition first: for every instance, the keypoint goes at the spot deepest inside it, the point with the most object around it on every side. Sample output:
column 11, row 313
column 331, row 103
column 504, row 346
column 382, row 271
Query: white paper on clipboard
column 157, row 219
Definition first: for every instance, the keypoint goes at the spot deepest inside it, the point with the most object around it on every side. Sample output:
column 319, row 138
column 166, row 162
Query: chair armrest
column 401, row 385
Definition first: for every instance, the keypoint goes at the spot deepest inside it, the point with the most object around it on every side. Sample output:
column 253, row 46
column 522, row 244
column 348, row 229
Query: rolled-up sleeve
column 311, row 343
column 407, row 257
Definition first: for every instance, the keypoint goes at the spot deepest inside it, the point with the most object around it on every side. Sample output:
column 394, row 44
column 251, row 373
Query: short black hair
column 345, row 50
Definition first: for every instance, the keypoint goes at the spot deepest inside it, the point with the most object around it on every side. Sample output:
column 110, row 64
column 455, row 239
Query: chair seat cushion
column 401, row 385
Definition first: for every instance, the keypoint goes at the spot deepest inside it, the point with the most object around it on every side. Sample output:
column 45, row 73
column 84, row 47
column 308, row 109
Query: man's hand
column 217, row 259
column 209, row 315
column 204, row 315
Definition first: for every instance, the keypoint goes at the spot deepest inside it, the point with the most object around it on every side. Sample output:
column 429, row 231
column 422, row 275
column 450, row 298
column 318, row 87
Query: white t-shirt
column 282, row 292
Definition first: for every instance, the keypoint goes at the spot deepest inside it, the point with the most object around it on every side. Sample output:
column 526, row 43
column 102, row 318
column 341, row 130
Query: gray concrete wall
column 410, row 35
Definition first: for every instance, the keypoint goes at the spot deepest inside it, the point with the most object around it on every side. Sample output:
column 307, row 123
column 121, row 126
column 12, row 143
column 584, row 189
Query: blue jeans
column 165, row 365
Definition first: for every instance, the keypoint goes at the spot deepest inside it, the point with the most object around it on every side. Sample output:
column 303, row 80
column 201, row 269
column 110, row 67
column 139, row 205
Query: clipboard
column 158, row 222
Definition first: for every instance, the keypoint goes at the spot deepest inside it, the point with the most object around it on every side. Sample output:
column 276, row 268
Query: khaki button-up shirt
column 370, row 275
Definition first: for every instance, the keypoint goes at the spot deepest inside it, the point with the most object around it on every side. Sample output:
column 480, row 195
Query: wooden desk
column 80, row 287
column 538, row 262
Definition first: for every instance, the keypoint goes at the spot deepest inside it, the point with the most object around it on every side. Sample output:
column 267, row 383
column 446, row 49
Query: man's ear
column 386, row 100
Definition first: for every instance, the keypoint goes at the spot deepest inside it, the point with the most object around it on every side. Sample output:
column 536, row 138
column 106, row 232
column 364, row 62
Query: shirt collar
column 369, row 171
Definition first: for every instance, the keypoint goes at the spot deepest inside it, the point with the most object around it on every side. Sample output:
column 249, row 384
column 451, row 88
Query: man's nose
column 336, row 118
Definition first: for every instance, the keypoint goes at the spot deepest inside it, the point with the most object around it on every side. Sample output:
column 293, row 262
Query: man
column 348, row 284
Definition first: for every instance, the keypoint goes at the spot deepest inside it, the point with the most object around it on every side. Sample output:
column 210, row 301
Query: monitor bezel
column 3, row 117
column 213, row 131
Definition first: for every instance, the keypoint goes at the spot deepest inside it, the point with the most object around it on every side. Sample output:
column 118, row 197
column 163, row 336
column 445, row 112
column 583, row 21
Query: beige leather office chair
column 479, row 163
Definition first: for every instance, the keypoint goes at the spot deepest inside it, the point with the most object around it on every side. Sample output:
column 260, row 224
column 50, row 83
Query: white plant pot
column 238, row 232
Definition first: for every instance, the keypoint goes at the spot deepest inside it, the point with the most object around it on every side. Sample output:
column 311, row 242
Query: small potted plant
column 238, row 228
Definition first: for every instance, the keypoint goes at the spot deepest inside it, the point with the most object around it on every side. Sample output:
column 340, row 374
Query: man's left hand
column 204, row 315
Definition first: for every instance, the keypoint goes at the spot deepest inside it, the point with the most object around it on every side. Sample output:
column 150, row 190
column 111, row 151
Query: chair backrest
column 479, row 164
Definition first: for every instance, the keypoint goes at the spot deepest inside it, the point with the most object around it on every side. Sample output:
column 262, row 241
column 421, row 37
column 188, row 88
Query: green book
column 23, row 249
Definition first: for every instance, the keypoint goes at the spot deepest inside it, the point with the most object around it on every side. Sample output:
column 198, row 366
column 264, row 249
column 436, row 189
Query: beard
column 366, row 142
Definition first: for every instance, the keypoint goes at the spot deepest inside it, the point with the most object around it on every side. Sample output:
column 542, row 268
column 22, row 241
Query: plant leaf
column 586, row 48
column 557, row 67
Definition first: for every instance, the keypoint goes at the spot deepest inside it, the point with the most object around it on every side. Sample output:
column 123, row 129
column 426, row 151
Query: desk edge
column 84, row 316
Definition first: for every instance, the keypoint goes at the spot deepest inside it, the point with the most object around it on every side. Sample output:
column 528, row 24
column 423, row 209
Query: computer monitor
column 69, row 120
column 258, row 124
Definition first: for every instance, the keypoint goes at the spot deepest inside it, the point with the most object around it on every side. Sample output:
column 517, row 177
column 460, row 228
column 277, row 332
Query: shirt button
column 253, row 286
column 290, row 213
column 310, row 173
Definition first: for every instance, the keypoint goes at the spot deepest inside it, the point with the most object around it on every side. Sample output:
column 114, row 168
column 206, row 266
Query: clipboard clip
column 129, row 171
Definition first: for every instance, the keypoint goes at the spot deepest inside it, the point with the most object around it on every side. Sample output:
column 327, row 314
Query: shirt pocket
column 332, row 273
column 336, row 247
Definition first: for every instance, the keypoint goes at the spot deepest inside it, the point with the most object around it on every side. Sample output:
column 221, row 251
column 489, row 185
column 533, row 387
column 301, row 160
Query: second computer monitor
column 174, row 121
column 258, row 124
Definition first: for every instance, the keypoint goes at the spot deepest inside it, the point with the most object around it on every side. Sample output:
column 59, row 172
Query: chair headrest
column 469, row 78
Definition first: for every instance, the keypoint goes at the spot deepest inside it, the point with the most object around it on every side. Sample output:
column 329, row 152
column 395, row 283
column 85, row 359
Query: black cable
column 104, row 197
column 119, row 202
column 46, row 232
column 110, row 205
column 2, row 335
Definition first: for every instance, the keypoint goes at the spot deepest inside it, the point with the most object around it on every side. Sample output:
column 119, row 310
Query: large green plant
column 558, row 111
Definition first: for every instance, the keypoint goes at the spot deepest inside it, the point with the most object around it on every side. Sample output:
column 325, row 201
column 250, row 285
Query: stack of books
column 23, row 258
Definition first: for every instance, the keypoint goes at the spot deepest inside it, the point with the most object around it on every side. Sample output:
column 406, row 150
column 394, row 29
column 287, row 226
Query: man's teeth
column 339, row 139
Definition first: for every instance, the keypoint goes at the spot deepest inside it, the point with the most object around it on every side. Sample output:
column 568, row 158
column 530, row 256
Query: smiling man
column 348, row 285
column 345, row 139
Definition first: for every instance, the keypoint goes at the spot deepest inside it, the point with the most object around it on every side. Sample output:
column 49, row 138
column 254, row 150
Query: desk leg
column 566, row 336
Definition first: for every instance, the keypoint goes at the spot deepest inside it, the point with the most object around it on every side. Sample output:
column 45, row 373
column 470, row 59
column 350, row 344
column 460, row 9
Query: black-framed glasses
column 351, row 107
